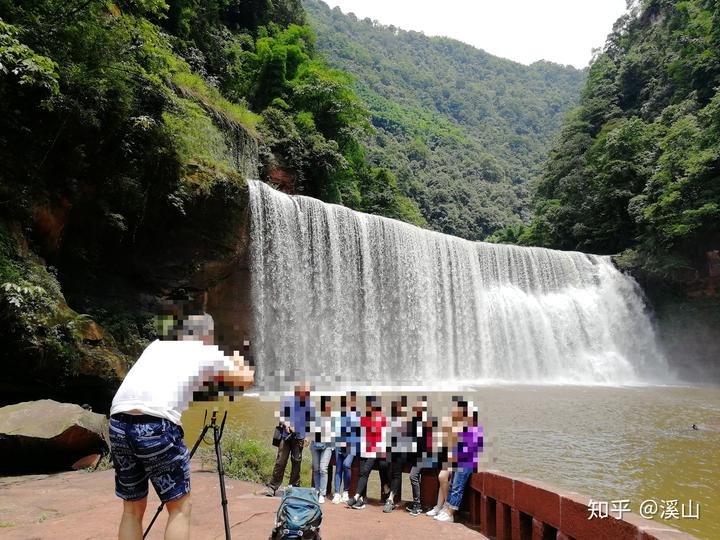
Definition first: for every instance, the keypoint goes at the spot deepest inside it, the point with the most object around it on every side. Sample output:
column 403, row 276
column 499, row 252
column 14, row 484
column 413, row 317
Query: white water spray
column 338, row 293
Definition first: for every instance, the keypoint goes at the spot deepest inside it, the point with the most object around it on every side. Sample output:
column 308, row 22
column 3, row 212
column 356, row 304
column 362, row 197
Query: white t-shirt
column 162, row 381
column 324, row 426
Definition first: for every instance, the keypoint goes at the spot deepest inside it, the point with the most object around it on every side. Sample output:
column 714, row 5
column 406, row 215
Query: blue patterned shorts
column 145, row 447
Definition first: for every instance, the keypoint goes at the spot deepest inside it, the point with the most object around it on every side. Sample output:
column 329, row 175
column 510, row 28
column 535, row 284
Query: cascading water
column 338, row 293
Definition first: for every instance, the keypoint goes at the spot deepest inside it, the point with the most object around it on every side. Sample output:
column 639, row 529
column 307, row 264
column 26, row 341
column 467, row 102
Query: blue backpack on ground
column 299, row 515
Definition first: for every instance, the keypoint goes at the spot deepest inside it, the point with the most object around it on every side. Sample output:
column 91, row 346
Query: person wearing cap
column 146, row 435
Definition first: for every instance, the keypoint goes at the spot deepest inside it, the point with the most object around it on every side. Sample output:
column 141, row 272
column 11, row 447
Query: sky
column 562, row 31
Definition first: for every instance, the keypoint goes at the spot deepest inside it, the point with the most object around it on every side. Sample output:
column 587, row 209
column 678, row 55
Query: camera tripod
column 217, row 435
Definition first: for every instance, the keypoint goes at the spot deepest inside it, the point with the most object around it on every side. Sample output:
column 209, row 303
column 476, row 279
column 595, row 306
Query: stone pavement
column 82, row 506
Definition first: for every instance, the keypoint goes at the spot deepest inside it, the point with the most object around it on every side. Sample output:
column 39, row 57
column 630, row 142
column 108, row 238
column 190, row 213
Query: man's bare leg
column 178, row 524
column 131, row 521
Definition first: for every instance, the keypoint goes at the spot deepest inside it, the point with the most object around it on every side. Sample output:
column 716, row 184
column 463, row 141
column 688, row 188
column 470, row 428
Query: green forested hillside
column 463, row 131
column 637, row 167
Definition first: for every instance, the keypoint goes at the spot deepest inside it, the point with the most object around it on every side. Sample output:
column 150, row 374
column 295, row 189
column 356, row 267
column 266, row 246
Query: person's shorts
column 148, row 448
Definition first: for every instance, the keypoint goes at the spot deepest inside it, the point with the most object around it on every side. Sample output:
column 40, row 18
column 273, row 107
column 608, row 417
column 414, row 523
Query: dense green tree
column 637, row 165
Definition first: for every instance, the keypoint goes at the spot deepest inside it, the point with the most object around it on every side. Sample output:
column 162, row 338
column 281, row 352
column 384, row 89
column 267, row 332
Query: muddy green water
column 607, row 443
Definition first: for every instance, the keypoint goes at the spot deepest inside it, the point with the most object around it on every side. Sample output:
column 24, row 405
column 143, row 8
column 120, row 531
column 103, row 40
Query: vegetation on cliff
column 100, row 137
column 636, row 170
column 113, row 93
column 463, row 131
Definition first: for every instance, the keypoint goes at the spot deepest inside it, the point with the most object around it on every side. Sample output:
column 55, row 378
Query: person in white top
column 146, row 436
column 322, row 446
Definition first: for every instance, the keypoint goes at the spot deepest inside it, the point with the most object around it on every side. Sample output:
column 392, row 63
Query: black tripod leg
column 199, row 440
column 192, row 453
column 222, row 425
column 152, row 522
column 221, row 475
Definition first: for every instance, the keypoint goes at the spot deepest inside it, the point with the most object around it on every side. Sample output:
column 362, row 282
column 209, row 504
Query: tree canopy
column 636, row 169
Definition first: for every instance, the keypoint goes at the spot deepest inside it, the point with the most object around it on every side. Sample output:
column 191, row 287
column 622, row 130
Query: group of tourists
column 407, row 436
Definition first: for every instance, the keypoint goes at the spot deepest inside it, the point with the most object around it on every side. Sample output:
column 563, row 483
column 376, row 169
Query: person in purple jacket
column 464, row 460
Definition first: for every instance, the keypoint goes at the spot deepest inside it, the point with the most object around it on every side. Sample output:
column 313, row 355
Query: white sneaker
column 337, row 499
column 434, row 512
column 444, row 516
column 321, row 499
column 345, row 497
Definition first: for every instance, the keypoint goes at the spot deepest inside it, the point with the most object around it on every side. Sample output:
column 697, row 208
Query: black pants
column 366, row 466
column 397, row 464
column 415, row 483
column 385, row 468
column 292, row 448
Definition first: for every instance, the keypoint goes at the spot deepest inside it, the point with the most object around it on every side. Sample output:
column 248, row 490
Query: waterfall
column 338, row 293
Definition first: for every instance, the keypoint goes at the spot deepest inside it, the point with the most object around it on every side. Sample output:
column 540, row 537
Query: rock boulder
column 47, row 436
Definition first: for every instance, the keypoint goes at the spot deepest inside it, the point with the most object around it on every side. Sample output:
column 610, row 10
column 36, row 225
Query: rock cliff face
column 687, row 308
column 100, row 293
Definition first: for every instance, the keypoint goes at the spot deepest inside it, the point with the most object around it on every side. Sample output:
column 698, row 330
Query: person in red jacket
column 373, row 437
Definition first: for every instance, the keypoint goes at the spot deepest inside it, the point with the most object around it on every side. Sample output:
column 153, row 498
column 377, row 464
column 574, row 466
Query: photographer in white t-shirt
column 146, row 436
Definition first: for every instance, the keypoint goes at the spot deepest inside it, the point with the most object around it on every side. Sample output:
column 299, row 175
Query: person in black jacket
column 423, row 427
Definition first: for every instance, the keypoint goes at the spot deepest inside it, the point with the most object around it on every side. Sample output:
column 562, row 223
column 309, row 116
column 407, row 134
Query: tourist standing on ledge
column 402, row 447
column 449, row 426
column 146, row 436
column 373, row 437
column 347, row 446
column 422, row 429
column 322, row 446
column 296, row 413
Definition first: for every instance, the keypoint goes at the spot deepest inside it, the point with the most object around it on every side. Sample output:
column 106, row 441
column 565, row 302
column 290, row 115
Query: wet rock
column 283, row 178
column 91, row 331
column 47, row 436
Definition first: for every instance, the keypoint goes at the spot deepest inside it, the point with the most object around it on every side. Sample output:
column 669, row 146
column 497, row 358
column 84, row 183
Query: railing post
column 502, row 521
column 475, row 503
column 429, row 486
column 487, row 516
column 538, row 530
column 515, row 526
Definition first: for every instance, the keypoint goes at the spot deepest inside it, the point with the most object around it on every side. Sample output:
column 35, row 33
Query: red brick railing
column 510, row 508
column 505, row 507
